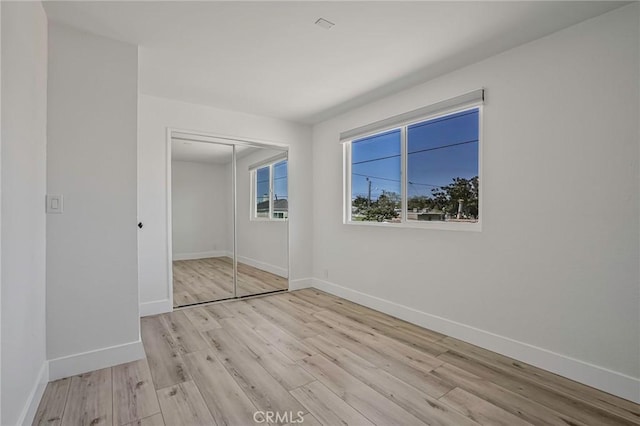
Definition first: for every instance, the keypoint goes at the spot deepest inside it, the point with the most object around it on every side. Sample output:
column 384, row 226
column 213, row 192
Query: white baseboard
column 200, row 255
column 613, row 382
column 300, row 283
column 95, row 360
column 31, row 406
column 155, row 307
column 276, row 270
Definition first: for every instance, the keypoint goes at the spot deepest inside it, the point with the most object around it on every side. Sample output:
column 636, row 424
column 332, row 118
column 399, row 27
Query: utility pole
column 460, row 204
column 369, row 196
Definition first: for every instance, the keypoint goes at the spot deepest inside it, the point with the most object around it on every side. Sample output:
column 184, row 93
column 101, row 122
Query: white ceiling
column 269, row 58
column 200, row 152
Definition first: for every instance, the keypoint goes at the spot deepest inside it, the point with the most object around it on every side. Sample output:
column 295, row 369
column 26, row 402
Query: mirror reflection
column 201, row 201
column 261, row 226
column 218, row 251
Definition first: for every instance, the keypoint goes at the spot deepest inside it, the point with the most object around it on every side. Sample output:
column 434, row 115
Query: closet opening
column 228, row 217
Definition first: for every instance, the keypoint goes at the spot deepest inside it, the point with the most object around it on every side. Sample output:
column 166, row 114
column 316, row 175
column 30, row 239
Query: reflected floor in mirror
column 209, row 279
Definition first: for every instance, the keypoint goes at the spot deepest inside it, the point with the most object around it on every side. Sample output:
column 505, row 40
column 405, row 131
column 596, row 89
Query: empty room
column 319, row 213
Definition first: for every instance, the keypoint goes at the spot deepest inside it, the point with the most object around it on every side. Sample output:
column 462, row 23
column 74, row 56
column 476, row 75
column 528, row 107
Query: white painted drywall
column 155, row 115
column 262, row 244
column 556, row 263
column 200, row 213
column 92, row 285
column 24, row 139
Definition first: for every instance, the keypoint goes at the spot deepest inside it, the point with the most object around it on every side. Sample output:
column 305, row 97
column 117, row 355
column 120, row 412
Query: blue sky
column 262, row 187
column 279, row 182
column 438, row 150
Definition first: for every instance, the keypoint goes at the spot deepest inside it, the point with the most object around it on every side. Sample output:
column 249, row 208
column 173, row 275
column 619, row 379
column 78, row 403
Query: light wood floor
column 336, row 362
column 210, row 279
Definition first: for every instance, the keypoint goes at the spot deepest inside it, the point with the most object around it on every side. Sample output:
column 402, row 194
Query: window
column 269, row 195
column 375, row 178
column 423, row 173
column 442, row 168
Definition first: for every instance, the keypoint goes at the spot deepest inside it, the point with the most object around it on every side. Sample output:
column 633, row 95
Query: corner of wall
column 33, row 401
column 72, row 365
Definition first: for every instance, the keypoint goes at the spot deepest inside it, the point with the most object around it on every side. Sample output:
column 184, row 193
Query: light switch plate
column 54, row 203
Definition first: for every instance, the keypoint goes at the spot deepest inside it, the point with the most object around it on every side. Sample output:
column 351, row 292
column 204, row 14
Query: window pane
column 280, row 191
column 442, row 168
column 375, row 178
column 262, row 192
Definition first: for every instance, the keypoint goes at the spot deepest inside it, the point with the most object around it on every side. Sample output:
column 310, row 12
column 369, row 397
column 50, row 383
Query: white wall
column 200, row 214
column 262, row 244
column 556, row 264
column 24, row 101
column 155, row 115
column 92, row 285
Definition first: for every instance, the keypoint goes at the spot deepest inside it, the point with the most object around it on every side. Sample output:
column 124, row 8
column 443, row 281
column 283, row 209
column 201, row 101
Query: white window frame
column 253, row 175
column 404, row 223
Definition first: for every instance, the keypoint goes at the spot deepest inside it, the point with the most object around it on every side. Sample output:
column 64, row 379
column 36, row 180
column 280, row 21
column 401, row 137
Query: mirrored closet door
column 229, row 219
column 262, row 221
column 202, row 221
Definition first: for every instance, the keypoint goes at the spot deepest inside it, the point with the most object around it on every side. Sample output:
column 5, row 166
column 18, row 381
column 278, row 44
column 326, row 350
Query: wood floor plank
column 155, row 420
column 313, row 352
column 281, row 319
column 201, row 318
column 165, row 362
column 374, row 319
column 258, row 384
column 480, row 410
column 602, row 400
column 183, row 405
column 307, row 420
column 309, row 308
column 226, row 401
column 405, row 337
column 284, row 370
column 185, row 336
column 371, row 404
column 286, row 343
column 577, row 409
column 90, row 400
column 426, row 408
column 326, row 407
column 52, row 404
column 218, row 311
column 134, row 396
column 292, row 347
column 404, row 353
column 291, row 309
column 527, row 409
column 241, row 310
column 315, row 297
column 426, row 382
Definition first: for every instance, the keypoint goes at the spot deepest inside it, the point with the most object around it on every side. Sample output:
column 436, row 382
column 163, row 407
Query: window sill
column 266, row 219
column 439, row 226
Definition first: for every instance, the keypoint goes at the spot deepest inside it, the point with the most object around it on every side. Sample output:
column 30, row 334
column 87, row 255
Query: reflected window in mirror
column 270, row 194
column 262, row 192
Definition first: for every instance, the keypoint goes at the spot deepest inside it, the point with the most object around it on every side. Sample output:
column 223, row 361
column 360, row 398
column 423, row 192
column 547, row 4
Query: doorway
column 228, row 217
